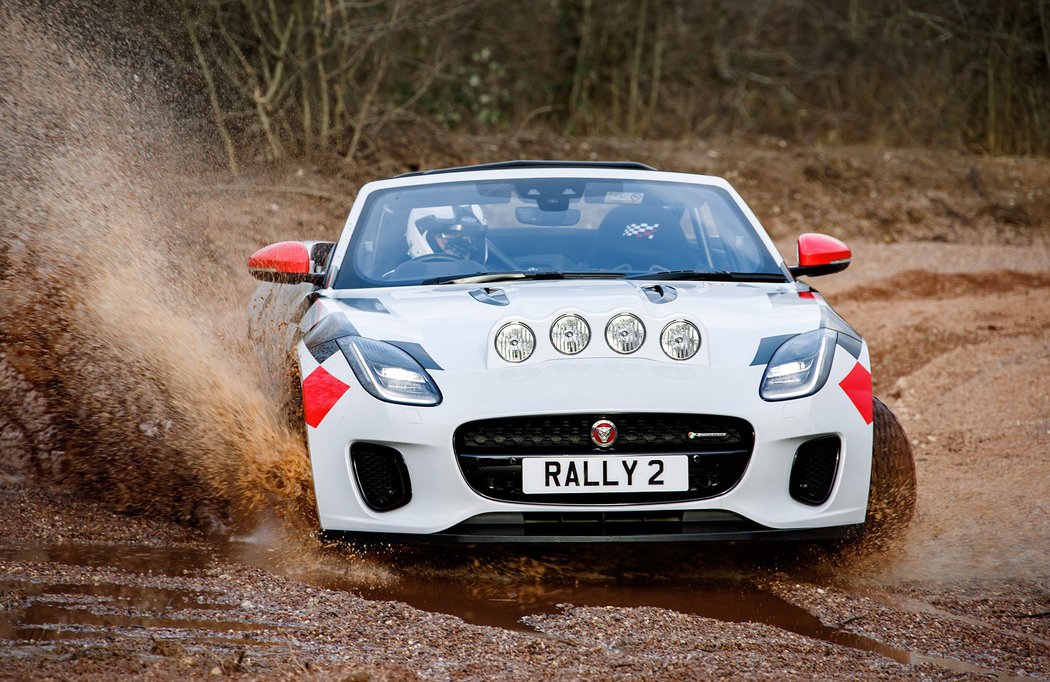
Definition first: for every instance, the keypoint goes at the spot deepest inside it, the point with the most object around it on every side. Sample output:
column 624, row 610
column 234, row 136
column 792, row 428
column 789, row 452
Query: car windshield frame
column 700, row 213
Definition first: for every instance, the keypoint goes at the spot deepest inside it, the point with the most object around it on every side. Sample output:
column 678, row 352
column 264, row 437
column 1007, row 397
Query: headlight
column 570, row 334
column 625, row 333
column 680, row 340
column 389, row 373
column 800, row 367
column 515, row 342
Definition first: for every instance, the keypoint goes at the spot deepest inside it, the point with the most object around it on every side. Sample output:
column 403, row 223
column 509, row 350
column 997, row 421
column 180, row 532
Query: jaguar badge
column 603, row 433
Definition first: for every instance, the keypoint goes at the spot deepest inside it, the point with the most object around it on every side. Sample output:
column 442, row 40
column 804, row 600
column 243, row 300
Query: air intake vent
column 813, row 473
column 381, row 476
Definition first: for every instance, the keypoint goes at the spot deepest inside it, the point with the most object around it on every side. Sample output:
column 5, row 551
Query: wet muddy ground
column 965, row 595
column 155, row 599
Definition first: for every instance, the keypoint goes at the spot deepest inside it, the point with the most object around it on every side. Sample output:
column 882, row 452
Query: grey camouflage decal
column 418, row 353
column 768, row 346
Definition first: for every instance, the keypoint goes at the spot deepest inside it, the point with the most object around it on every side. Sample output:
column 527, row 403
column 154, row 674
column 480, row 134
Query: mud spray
column 123, row 368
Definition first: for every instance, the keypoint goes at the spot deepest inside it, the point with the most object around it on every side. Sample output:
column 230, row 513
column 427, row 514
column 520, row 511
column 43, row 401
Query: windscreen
column 574, row 227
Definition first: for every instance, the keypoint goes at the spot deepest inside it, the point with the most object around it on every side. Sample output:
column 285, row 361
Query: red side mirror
column 819, row 254
column 284, row 262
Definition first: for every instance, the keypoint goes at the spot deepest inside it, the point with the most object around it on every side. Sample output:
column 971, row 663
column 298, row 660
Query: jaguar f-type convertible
column 539, row 351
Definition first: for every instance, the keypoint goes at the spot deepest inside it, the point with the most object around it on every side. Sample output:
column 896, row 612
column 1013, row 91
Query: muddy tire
column 273, row 312
column 891, row 496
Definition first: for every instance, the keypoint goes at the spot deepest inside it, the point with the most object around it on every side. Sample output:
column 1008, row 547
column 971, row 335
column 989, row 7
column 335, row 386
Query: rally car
column 540, row 351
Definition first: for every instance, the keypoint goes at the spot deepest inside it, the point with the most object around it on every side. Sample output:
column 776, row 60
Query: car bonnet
column 454, row 325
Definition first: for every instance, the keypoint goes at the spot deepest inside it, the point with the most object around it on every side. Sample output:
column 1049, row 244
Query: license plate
column 604, row 474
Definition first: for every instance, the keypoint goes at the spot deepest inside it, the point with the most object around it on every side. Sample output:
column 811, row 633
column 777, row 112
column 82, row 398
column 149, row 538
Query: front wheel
column 891, row 496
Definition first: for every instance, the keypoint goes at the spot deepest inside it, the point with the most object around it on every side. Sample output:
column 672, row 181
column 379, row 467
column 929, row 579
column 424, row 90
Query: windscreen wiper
column 486, row 277
column 718, row 276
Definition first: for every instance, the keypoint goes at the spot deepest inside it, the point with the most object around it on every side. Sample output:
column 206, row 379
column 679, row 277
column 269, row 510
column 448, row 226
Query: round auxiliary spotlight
column 625, row 333
column 570, row 334
column 515, row 342
column 680, row 340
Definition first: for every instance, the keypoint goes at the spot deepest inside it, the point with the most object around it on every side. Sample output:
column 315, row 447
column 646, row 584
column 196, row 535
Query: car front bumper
column 443, row 507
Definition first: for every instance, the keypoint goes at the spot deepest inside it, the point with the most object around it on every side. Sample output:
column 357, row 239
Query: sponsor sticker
column 624, row 197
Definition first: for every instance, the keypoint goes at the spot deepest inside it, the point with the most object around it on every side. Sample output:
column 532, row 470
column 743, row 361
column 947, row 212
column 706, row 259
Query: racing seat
column 642, row 238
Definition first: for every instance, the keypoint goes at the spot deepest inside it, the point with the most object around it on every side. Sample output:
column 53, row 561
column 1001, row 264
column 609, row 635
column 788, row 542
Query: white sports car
column 539, row 351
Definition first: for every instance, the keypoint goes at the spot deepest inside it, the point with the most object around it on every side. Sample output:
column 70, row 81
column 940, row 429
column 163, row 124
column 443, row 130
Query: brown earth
column 157, row 509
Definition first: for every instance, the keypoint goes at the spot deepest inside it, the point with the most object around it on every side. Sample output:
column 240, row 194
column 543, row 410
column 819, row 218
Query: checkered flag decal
column 640, row 230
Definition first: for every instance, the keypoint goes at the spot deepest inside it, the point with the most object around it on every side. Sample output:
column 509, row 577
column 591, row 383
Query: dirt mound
column 885, row 195
column 932, row 314
column 914, row 284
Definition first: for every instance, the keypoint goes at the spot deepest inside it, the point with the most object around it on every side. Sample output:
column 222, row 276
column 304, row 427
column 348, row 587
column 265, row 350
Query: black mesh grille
column 813, row 473
column 490, row 452
column 381, row 476
column 568, row 434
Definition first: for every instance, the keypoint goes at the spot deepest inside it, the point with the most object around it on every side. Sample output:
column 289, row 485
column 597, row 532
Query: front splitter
column 511, row 536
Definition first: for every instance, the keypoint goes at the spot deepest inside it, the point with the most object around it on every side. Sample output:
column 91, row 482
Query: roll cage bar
column 506, row 165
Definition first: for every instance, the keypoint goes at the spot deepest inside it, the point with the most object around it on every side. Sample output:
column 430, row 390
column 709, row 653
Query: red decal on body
column 321, row 391
column 857, row 386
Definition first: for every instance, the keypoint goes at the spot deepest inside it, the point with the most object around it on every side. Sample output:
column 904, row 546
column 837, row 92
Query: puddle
column 52, row 621
column 41, row 611
column 481, row 586
column 141, row 559
column 498, row 587
column 126, row 597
